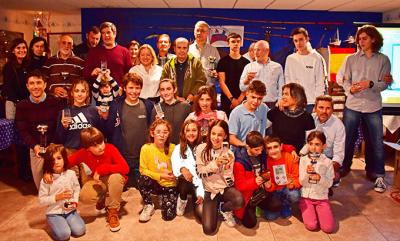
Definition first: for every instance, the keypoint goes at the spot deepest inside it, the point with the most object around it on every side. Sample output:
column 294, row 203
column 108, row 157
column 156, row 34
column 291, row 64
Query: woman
column 205, row 109
column 14, row 74
column 38, row 53
column 78, row 116
column 215, row 167
column 150, row 73
column 133, row 48
column 291, row 123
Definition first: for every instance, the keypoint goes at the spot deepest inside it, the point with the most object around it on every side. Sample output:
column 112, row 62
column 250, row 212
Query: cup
column 103, row 66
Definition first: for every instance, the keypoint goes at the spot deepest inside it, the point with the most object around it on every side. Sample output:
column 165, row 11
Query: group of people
column 133, row 118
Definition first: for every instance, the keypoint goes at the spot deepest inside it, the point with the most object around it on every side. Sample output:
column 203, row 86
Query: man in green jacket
column 186, row 70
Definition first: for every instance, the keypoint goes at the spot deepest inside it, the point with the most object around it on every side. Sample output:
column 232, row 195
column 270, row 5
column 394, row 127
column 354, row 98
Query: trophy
column 314, row 157
column 163, row 61
column 43, row 137
column 211, row 62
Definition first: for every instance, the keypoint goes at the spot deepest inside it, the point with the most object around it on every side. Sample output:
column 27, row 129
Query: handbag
column 258, row 196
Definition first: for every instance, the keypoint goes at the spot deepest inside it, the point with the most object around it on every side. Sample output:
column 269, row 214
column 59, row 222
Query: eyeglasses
column 161, row 133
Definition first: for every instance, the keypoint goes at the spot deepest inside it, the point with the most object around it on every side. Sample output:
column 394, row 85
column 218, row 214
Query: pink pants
column 313, row 211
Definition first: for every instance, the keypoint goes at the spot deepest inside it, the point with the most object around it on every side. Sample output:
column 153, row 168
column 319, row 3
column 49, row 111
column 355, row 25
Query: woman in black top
column 38, row 53
column 291, row 121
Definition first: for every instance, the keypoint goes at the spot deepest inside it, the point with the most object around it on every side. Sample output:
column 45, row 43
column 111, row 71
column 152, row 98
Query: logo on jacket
column 79, row 122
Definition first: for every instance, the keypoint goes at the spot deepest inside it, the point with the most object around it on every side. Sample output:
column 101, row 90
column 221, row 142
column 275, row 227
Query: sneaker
column 101, row 205
column 229, row 218
column 380, row 185
column 113, row 219
column 286, row 211
column 147, row 212
column 180, row 206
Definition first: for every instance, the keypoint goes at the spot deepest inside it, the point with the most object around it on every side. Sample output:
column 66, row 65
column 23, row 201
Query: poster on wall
column 218, row 34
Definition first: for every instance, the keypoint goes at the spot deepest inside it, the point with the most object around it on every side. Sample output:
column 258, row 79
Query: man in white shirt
column 208, row 55
column 305, row 68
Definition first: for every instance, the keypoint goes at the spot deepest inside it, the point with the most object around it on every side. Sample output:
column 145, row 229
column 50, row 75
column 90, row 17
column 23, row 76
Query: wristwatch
column 371, row 84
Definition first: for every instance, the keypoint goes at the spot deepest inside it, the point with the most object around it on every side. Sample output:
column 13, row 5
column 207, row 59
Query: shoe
column 180, row 206
column 101, row 205
column 113, row 219
column 270, row 216
column 147, row 212
column 286, row 211
column 229, row 218
column 380, row 185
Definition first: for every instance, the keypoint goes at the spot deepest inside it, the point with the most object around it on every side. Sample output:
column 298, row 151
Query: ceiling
column 74, row 6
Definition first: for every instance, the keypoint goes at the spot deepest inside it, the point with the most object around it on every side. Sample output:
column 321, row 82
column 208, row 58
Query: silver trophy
column 211, row 62
column 163, row 61
column 43, row 137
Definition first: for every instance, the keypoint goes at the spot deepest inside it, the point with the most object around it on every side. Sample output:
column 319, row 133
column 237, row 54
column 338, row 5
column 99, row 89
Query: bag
column 258, row 196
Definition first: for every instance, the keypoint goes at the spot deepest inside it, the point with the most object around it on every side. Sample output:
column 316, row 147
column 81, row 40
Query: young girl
column 205, row 109
column 81, row 116
column 316, row 175
column 156, row 172
column 184, row 167
column 215, row 168
column 61, row 196
column 105, row 89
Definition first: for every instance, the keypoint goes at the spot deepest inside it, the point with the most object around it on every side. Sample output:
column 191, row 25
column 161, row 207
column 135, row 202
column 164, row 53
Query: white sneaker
column 380, row 185
column 229, row 218
column 180, row 206
column 147, row 212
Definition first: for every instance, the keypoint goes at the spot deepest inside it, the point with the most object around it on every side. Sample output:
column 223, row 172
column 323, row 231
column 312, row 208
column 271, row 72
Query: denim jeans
column 62, row 226
column 374, row 136
column 287, row 198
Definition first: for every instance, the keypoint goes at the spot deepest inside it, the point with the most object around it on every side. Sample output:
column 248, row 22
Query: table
column 7, row 133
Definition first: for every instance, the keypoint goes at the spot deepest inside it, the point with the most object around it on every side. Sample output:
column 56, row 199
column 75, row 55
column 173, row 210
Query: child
column 61, row 196
column 215, row 168
column 316, row 175
column 184, row 166
column 249, row 167
column 105, row 89
column 108, row 171
column 156, row 172
column 284, row 183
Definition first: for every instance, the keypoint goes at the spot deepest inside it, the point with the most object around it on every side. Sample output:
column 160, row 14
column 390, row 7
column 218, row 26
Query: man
column 163, row 45
column 365, row 76
column 92, row 40
column 251, row 115
column 63, row 68
column 37, row 110
column 208, row 55
column 229, row 70
column 266, row 70
column 186, row 70
column 128, row 119
column 305, row 68
column 333, row 129
column 116, row 58
column 250, row 53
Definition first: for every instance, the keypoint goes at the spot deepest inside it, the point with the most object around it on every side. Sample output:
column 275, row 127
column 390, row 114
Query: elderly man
column 186, row 70
column 250, row 53
column 266, row 70
column 305, row 67
column 92, row 40
column 109, row 55
column 163, row 45
column 63, row 68
column 208, row 55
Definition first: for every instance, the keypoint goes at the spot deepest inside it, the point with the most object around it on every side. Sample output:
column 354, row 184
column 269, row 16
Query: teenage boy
column 38, row 110
column 251, row 115
column 284, row 182
column 128, row 119
column 108, row 171
column 229, row 70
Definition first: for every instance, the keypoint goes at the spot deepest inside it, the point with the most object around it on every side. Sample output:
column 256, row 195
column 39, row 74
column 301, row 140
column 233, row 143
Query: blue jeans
column 287, row 198
column 374, row 137
column 62, row 226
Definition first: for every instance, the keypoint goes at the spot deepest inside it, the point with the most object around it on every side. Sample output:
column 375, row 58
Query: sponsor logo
column 79, row 122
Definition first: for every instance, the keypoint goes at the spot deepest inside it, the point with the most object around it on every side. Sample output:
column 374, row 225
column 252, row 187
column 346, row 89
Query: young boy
column 284, row 182
column 105, row 89
column 108, row 171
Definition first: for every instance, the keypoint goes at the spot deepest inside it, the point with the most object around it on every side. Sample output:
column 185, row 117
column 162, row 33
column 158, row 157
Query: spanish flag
column 336, row 58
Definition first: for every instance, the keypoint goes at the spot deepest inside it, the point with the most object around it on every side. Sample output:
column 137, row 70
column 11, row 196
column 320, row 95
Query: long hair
column 182, row 137
column 372, row 32
column 153, row 127
column 298, row 93
column 206, row 154
column 204, row 90
column 48, row 157
column 11, row 56
column 73, row 86
column 35, row 40
column 153, row 54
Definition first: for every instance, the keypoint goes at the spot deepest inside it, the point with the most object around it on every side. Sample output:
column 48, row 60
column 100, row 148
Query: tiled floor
column 361, row 214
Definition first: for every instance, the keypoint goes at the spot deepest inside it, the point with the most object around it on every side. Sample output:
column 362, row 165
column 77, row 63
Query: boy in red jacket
column 108, row 171
column 284, row 182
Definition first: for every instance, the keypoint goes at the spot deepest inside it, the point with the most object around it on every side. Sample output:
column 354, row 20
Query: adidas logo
column 79, row 122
